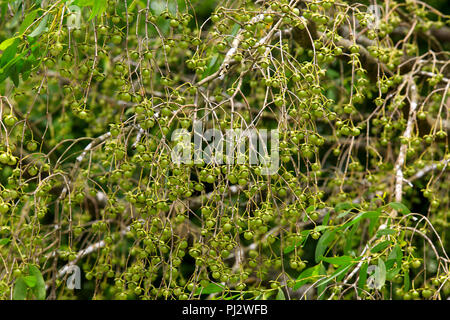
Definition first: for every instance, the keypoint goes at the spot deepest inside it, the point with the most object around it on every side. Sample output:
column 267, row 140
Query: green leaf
column 392, row 273
column 83, row 3
column 39, row 289
column 310, row 209
column 308, row 275
column 210, row 288
column 380, row 246
column 292, row 247
column 20, row 289
column 362, row 215
column 29, row 18
column 5, row 241
column 395, row 254
column 372, row 224
column 321, row 228
column 362, row 277
column 380, row 275
column 339, row 271
column 392, row 258
column 343, row 214
column 5, row 44
column 3, row 76
column 133, row 4
column 350, row 238
column 40, row 28
column 98, row 8
column 30, row 281
column 235, row 29
column 406, row 281
column 326, row 219
column 398, row 254
column 266, row 295
column 400, row 207
column 14, row 75
column 347, row 206
column 26, row 68
column 9, row 54
column 280, row 295
column 338, row 260
column 213, row 65
column 321, row 288
column 14, row 59
column 235, row 296
column 385, row 232
column 323, row 243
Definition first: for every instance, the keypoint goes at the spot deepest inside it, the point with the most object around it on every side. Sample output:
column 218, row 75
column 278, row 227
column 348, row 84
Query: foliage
column 92, row 91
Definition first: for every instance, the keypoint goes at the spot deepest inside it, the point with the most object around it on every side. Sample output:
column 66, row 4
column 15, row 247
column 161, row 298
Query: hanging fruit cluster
column 91, row 93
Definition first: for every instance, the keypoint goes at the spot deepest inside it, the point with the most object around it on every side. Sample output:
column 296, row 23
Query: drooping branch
column 407, row 135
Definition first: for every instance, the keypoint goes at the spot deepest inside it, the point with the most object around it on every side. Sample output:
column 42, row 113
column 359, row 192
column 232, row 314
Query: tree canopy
column 201, row 149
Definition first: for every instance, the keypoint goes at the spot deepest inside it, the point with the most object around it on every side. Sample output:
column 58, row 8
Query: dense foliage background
column 91, row 91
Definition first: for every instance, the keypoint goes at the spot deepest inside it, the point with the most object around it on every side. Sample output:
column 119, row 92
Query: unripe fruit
column 416, row 264
column 427, row 293
column 10, row 120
